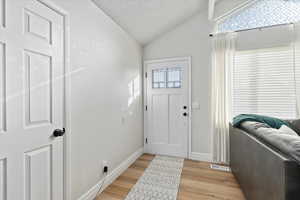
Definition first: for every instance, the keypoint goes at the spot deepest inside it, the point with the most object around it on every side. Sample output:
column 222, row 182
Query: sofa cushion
column 295, row 125
column 287, row 130
column 285, row 143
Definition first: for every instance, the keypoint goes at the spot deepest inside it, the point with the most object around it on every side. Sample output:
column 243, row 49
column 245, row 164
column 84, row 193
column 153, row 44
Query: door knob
column 185, row 114
column 59, row 132
column 184, row 107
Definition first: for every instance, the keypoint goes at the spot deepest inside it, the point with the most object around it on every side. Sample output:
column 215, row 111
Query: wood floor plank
column 198, row 181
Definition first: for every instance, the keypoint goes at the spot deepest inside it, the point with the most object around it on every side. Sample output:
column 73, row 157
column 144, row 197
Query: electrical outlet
column 105, row 166
column 220, row 167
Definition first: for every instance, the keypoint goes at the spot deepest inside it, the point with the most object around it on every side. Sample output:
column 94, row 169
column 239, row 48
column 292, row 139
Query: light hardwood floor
column 198, row 181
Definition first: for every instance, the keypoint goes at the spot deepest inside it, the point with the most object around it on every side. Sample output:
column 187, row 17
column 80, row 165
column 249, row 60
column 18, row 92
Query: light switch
column 195, row 105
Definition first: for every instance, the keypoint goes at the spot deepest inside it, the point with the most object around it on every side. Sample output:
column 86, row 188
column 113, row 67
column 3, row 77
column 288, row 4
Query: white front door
column 32, row 101
column 168, row 107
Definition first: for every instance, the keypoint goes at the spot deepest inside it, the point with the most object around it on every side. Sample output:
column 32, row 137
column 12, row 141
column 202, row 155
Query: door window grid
column 159, row 78
column 174, row 78
column 167, row 78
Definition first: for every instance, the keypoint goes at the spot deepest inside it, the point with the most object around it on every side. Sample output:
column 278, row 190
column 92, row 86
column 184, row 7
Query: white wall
column 191, row 39
column 103, row 126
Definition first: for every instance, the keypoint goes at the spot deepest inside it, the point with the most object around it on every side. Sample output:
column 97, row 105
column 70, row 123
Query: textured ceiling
column 147, row 19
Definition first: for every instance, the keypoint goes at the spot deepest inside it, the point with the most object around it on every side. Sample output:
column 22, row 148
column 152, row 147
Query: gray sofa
column 264, row 171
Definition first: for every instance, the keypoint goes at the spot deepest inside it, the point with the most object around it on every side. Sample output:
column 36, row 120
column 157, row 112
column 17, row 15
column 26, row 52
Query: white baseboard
column 205, row 157
column 111, row 177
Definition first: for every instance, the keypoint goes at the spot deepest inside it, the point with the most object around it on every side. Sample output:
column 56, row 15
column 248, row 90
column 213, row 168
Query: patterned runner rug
column 160, row 181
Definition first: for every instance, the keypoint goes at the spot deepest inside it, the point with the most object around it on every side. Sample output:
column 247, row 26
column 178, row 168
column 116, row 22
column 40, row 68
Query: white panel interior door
column 32, row 99
column 168, row 107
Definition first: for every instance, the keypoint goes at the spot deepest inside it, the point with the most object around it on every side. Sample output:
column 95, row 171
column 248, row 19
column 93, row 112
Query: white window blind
column 264, row 82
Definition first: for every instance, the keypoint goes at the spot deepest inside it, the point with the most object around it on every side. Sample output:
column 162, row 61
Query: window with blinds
column 264, row 82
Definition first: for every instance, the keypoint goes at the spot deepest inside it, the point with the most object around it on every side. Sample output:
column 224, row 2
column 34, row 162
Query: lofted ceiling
column 145, row 20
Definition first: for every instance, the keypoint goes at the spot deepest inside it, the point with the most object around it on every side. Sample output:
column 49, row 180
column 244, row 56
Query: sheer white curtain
column 222, row 64
column 297, row 65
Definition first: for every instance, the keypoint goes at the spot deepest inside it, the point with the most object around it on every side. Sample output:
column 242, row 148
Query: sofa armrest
column 263, row 173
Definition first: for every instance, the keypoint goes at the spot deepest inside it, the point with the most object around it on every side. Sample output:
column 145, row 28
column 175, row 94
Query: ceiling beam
column 211, row 9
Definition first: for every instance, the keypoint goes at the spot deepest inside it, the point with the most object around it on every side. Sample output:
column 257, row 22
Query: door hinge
column 146, row 108
column 146, row 75
column 146, row 140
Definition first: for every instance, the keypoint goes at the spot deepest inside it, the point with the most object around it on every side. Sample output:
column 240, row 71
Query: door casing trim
column 172, row 59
